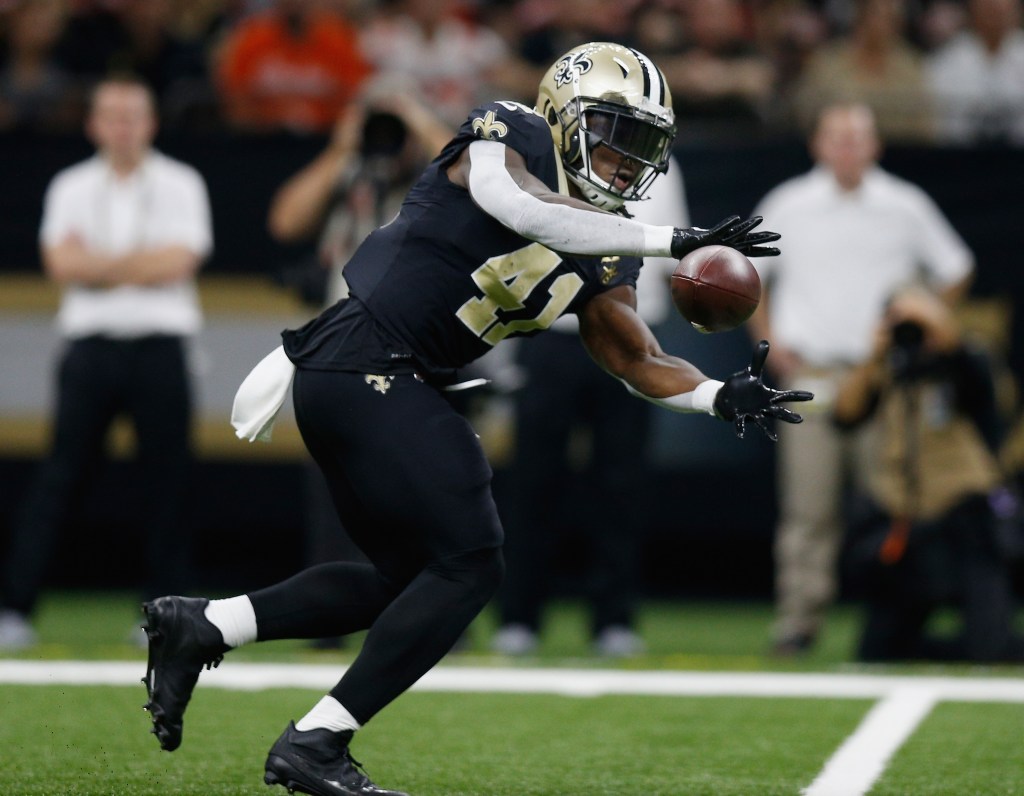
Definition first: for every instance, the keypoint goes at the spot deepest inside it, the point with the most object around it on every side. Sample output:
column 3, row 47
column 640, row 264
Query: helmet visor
column 646, row 142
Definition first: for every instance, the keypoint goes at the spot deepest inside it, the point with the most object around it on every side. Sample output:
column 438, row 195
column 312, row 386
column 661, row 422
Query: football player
column 518, row 221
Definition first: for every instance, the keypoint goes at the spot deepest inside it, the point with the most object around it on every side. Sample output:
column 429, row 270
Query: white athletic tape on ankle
column 234, row 618
column 328, row 714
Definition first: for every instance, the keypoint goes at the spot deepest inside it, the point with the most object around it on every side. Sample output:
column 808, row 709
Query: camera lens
column 908, row 335
column 383, row 134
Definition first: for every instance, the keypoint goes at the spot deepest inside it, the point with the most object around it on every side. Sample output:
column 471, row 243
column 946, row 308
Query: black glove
column 744, row 397
column 732, row 232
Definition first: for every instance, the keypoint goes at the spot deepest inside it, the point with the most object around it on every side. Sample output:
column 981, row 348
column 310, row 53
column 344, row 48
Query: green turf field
column 64, row 739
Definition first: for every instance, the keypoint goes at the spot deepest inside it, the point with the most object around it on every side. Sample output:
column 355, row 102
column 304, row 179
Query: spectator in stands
column 537, row 31
column 35, row 91
column 379, row 144
column 788, row 32
column 176, row 68
column 550, row 412
column 931, row 535
column 853, row 234
column 137, row 38
column 977, row 78
column 123, row 234
column 293, row 66
column 875, row 65
column 938, row 22
column 658, row 27
column 438, row 54
column 721, row 83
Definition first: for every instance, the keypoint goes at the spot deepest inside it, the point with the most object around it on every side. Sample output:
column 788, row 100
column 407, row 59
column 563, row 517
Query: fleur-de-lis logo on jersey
column 577, row 62
column 487, row 125
column 608, row 269
column 380, row 383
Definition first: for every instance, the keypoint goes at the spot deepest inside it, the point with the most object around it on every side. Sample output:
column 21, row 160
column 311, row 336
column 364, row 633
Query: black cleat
column 181, row 642
column 317, row 762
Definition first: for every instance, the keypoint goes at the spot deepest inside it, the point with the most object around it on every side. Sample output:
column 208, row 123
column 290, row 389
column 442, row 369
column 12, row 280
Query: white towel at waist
column 261, row 395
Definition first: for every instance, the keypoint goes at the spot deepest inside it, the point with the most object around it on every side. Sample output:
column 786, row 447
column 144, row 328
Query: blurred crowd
column 934, row 71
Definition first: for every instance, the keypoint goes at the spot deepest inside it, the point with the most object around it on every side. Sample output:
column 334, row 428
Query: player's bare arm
column 621, row 343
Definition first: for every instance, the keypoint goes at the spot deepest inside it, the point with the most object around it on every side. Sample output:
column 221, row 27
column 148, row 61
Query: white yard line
column 851, row 771
column 862, row 758
column 240, row 675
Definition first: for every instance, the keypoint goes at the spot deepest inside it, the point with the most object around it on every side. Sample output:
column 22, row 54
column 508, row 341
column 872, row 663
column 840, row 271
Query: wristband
column 700, row 399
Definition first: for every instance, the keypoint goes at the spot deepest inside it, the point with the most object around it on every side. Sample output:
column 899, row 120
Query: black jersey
column 444, row 282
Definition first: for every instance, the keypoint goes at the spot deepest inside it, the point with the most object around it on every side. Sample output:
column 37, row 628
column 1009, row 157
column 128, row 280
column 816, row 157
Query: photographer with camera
column 376, row 150
column 930, row 535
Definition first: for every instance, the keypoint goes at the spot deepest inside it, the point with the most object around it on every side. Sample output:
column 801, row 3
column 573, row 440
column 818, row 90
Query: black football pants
column 98, row 378
column 412, row 487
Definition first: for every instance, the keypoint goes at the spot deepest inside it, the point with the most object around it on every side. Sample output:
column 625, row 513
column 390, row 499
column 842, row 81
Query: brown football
column 715, row 288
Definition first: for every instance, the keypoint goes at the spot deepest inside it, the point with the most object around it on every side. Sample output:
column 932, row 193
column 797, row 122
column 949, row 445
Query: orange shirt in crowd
column 272, row 77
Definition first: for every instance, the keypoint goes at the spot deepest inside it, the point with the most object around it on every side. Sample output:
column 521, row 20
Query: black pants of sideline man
column 99, row 378
column 567, row 391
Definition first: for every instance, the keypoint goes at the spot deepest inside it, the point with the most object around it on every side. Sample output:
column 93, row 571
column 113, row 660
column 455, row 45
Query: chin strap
column 597, row 197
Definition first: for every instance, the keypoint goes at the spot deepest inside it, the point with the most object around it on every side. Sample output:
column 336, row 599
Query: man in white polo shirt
column 854, row 234
column 123, row 234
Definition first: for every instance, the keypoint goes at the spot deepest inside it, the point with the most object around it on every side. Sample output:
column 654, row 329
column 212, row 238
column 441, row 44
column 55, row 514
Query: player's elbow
column 533, row 220
column 509, row 207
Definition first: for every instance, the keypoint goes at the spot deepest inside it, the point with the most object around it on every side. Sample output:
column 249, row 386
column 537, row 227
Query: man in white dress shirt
column 854, row 234
column 123, row 234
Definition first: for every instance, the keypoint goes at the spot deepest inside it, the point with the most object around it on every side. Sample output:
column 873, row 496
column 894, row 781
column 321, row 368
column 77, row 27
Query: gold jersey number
column 507, row 281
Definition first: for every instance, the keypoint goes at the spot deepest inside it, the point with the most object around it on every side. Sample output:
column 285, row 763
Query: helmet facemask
column 639, row 140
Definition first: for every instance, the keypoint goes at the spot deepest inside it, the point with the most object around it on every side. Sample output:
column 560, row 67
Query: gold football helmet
column 603, row 94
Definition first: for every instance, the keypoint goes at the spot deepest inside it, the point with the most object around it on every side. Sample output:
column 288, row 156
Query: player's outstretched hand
column 731, row 232
column 744, row 397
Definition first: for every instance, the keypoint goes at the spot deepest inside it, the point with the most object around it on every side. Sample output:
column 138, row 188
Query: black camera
column 908, row 336
column 905, row 352
column 384, row 135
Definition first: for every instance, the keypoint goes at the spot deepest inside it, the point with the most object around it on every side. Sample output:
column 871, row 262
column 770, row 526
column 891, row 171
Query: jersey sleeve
column 601, row 274
column 616, row 271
